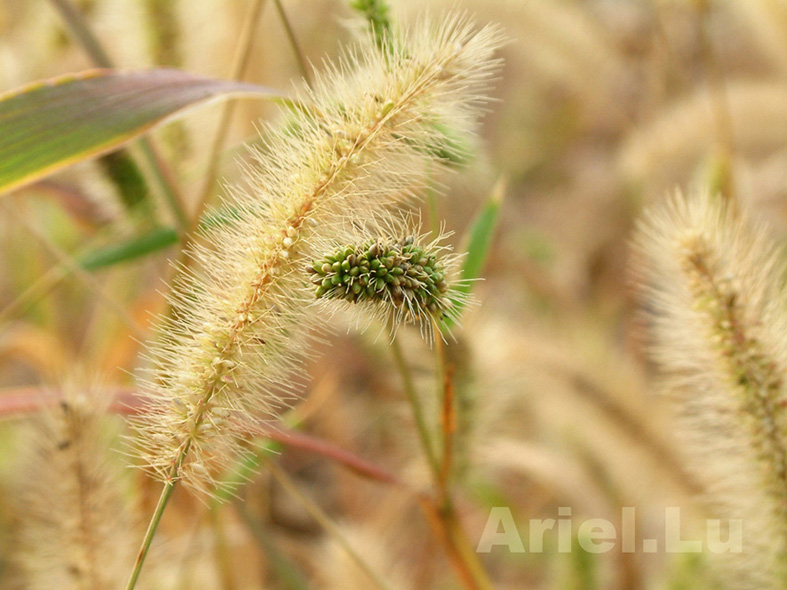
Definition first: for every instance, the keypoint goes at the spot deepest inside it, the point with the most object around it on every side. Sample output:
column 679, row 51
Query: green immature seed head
column 407, row 278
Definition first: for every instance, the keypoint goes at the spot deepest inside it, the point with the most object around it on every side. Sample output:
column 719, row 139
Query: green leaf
column 478, row 240
column 479, row 237
column 148, row 243
column 137, row 247
column 49, row 125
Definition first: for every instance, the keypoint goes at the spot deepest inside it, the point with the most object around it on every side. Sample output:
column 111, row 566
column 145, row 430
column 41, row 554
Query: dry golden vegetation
column 272, row 309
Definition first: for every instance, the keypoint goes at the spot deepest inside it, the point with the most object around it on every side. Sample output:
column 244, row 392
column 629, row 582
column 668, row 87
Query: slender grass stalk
column 460, row 552
column 465, row 550
column 80, row 29
column 165, row 36
column 376, row 13
column 35, row 292
column 155, row 519
column 164, row 180
column 240, row 62
column 72, row 267
column 447, row 416
column 725, row 140
column 91, row 257
column 421, row 425
column 456, row 534
column 221, row 550
column 406, row 275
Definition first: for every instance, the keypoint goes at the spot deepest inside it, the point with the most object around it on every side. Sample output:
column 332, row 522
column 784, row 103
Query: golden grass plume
column 74, row 521
column 713, row 283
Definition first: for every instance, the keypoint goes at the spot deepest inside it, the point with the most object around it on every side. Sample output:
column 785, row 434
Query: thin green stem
column 720, row 108
column 453, row 526
column 415, row 404
column 221, row 553
column 35, row 292
column 80, row 274
column 163, row 500
column 459, row 545
column 465, row 551
column 448, row 418
column 166, row 493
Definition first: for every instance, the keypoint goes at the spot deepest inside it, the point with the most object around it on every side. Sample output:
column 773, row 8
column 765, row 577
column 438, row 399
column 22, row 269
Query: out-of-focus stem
column 415, row 404
column 240, row 61
column 443, row 516
column 725, row 181
column 82, row 33
column 221, row 551
column 447, row 417
column 80, row 274
column 293, row 42
column 324, row 520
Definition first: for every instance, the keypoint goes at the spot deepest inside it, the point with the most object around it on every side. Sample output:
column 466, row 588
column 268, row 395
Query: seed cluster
column 401, row 273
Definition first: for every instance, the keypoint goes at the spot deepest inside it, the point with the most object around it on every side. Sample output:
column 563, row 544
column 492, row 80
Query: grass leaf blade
column 49, row 125
column 139, row 246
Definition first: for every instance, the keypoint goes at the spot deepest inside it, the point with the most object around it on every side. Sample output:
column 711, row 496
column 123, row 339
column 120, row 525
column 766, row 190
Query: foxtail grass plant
column 714, row 283
column 357, row 146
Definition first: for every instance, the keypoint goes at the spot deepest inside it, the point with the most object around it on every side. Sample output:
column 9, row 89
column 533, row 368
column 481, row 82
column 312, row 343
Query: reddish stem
column 125, row 401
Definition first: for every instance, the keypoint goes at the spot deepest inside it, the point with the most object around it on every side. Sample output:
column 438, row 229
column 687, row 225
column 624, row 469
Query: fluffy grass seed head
column 73, row 517
column 714, row 284
column 358, row 144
